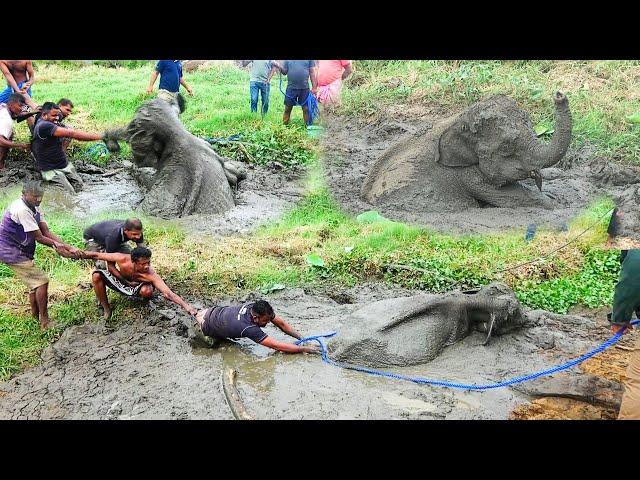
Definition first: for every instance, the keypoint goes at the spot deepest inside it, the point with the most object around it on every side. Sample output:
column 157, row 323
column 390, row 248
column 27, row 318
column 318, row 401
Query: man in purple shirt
column 21, row 227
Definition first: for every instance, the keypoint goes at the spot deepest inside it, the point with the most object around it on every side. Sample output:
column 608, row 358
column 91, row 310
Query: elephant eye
column 464, row 127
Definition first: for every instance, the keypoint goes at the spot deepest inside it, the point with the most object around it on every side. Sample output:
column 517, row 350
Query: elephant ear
column 455, row 146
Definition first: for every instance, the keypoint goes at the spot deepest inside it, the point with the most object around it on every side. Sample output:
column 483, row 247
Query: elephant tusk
column 537, row 176
column 493, row 320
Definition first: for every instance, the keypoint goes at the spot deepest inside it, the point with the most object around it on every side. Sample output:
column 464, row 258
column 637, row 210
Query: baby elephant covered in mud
column 413, row 330
column 473, row 159
column 191, row 177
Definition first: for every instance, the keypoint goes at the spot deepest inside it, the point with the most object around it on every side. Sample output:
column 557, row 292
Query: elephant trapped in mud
column 412, row 330
column 190, row 176
column 473, row 159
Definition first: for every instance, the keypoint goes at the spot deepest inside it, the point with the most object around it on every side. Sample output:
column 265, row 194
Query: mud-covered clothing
column 298, row 72
column 232, row 322
column 109, row 234
column 114, row 284
column 66, row 178
column 17, row 243
column 170, row 74
column 47, row 148
column 626, row 297
column 6, row 122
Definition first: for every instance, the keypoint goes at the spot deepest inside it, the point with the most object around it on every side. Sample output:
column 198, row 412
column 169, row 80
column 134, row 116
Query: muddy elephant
column 474, row 159
column 413, row 330
column 190, row 176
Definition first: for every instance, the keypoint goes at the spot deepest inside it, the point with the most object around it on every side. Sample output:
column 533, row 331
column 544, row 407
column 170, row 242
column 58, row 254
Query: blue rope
column 314, row 110
column 463, row 386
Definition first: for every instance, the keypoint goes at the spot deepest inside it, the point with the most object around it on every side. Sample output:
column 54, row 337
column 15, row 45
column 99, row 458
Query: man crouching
column 138, row 278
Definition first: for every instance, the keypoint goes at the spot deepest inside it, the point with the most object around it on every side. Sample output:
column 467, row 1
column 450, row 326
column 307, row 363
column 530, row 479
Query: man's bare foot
column 107, row 313
column 45, row 323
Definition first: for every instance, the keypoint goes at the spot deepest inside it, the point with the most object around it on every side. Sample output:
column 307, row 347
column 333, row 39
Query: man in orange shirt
column 331, row 73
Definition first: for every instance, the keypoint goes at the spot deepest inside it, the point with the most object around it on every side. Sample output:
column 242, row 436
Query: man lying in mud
column 136, row 270
column 246, row 320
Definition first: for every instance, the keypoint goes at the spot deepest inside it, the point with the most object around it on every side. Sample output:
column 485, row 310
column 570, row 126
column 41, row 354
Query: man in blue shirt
column 170, row 72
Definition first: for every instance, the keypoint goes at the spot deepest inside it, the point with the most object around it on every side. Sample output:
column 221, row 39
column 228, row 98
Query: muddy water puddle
column 119, row 193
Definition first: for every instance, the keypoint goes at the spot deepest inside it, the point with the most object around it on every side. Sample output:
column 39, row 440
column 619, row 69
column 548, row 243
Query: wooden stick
column 233, row 396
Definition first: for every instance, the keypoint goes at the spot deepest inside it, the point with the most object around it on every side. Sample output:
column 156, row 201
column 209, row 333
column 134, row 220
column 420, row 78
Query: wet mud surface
column 153, row 368
column 263, row 196
column 351, row 146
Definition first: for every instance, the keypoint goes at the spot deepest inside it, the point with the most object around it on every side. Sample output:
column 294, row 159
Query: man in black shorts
column 246, row 320
column 298, row 74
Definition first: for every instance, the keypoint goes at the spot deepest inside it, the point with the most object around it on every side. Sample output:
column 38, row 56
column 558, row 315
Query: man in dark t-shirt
column 48, row 150
column 298, row 73
column 113, row 236
column 246, row 320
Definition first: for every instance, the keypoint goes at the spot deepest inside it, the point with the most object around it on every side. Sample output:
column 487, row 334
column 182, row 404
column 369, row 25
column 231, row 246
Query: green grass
column 350, row 251
column 108, row 97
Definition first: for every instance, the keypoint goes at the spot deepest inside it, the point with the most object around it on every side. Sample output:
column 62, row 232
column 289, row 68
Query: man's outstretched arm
column 289, row 347
column 285, row 327
column 77, row 134
column 162, row 287
column 108, row 257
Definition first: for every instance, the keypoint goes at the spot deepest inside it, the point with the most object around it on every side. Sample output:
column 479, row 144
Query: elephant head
column 499, row 138
column 154, row 124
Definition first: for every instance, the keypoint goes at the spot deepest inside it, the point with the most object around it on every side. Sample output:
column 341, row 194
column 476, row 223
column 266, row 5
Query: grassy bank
column 315, row 244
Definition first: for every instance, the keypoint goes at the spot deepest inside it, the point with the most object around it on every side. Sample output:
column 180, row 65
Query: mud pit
column 148, row 369
column 263, row 196
column 352, row 146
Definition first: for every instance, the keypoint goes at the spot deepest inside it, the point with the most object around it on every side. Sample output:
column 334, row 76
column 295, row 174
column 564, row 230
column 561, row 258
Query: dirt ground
column 351, row 146
column 152, row 367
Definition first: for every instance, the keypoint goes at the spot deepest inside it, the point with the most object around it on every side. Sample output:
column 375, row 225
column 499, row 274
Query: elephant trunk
column 548, row 155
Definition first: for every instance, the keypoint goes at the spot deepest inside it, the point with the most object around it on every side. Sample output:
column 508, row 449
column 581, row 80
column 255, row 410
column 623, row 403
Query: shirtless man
column 136, row 269
column 19, row 75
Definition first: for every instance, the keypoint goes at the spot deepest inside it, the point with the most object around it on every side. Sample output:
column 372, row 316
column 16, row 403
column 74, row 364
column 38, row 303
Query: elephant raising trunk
column 473, row 159
column 191, row 177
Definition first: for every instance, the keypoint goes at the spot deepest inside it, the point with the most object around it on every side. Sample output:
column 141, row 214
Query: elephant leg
column 508, row 196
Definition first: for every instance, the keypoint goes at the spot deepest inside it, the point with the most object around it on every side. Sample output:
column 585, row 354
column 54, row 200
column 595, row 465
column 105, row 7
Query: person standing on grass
column 259, row 83
column 22, row 226
column 8, row 113
column 298, row 73
column 47, row 147
column 331, row 74
column 171, row 78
